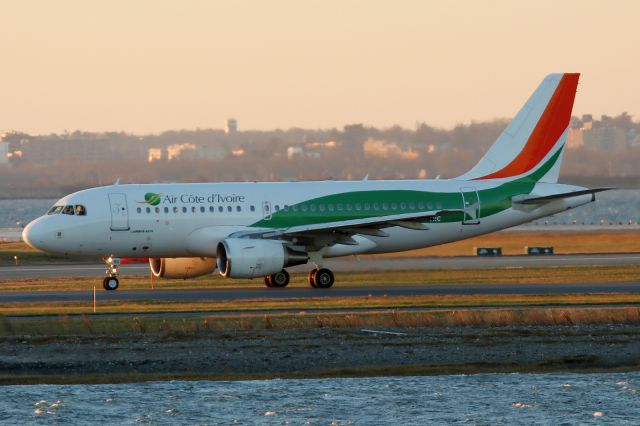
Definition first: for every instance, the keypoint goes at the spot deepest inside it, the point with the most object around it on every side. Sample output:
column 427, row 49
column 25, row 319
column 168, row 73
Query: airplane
column 258, row 229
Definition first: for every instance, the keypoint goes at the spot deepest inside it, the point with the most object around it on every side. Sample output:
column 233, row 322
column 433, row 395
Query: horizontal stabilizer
column 549, row 198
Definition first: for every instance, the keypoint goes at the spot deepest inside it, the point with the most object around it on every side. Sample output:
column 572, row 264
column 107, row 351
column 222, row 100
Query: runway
column 218, row 294
column 352, row 264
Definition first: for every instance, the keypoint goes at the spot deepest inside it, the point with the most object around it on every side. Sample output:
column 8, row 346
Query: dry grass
column 177, row 327
column 513, row 242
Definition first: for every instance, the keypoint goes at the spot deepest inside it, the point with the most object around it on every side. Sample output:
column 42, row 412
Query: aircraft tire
column 312, row 278
column 324, row 278
column 267, row 281
column 279, row 279
column 110, row 283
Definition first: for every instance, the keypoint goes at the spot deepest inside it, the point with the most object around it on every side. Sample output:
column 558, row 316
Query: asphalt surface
column 352, row 264
column 336, row 291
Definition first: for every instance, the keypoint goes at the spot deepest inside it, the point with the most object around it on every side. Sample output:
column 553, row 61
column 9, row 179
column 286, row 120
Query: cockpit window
column 81, row 210
column 55, row 210
column 68, row 210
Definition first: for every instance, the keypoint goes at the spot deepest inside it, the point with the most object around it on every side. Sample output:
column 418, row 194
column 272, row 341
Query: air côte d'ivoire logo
column 154, row 199
column 151, row 199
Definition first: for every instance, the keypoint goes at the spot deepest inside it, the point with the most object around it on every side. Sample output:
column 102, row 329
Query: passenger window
column 229, row 209
column 421, row 205
column 348, row 206
column 193, row 209
column 403, row 206
column 321, row 207
column 139, row 210
column 312, row 207
column 201, row 209
column 176, row 210
column 149, row 209
column 385, row 206
column 238, row 209
column 376, row 206
column 220, row 209
column 439, row 205
column 184, row 209
column 412, row 205
column 286, row 208
column 429, row 205
column 367, row 206
column 358, row 206
column 294, row 207
column 303, row 207
column 80, row 210
column 394, row 206
column 211, row 209
column 252, row 208
column 277, row 208
column 166, row 209
column 68, row 210
column 339, row 207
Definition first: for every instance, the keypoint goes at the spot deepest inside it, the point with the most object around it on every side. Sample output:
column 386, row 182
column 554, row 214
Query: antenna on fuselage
column 117, row 182
column 365, row 178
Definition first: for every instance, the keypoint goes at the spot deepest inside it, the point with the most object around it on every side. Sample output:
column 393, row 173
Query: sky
column 148, row 66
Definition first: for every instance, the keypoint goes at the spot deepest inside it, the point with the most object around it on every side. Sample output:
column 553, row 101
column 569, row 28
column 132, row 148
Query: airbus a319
column 254, row 230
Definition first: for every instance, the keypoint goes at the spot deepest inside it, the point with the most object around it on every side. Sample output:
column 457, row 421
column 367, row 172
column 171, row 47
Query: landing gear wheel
column 110, row 283
column 324, row 278
column 279, row 279
column 312, row 278
column 267, row 281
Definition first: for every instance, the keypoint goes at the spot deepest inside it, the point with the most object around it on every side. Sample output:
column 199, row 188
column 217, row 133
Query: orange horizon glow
column 149, row 66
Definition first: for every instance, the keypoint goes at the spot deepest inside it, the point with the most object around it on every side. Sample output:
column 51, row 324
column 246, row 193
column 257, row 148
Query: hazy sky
column 149, row 66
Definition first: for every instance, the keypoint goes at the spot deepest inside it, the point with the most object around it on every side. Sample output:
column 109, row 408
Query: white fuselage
column 188, row 220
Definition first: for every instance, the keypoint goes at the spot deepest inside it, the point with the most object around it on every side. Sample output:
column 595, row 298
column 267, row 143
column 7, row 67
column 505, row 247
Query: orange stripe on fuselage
column 553, row 122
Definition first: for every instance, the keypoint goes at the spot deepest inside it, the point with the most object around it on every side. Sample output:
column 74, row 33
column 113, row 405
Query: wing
column 340, row 232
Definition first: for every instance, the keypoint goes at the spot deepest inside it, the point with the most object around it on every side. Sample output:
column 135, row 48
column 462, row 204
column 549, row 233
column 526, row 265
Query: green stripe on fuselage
column 353, row 205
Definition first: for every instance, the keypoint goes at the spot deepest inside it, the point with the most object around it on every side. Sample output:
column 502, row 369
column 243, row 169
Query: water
column 22, row 211
column 475, row 399
column 616, row 207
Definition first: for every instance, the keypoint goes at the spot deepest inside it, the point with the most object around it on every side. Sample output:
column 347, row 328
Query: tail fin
column 535, row 138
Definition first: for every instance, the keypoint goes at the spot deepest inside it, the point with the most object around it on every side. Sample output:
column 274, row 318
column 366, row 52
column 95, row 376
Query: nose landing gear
column 111, row 282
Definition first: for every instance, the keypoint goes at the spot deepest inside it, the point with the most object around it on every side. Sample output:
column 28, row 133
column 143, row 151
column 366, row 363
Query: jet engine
column 249, row 258
column 182, row 267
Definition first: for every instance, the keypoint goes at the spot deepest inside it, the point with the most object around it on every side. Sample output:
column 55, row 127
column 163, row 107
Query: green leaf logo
column 151, row 199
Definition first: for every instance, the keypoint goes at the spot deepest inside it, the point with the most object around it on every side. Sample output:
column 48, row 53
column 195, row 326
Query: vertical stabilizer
column 536, row 134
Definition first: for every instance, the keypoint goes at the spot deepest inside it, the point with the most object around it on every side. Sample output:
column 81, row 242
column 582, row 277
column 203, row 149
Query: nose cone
column 34, row 234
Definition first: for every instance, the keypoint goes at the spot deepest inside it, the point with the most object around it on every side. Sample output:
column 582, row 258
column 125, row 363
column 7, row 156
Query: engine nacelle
column 182, row 267
column 249, row 258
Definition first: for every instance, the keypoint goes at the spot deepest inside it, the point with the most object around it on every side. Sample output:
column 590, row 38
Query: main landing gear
column 321, row 278
column 279, row 279
column 318, row 278
column 110, row 282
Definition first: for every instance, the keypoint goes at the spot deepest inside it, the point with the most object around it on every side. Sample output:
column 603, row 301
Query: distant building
column 212, row 152
column 608, row 139
column 4, row 152
column 181, row 151
column 155, row 154
column 295, row 152
column 230, row 126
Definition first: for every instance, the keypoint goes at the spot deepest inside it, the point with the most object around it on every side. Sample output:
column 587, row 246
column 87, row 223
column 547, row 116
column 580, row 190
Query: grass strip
column 177, row 327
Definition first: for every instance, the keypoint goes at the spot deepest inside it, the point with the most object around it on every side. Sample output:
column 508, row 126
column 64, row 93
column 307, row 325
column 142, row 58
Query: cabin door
column 119, row 212
column 471, row 206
